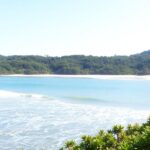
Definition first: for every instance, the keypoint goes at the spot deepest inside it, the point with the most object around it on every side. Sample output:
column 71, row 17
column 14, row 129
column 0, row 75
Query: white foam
column 38, row 124
column 5, row 94
column 10, row 94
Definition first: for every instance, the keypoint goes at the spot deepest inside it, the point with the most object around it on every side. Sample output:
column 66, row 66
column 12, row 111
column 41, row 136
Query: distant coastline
column 138, row 64
column 105, row 77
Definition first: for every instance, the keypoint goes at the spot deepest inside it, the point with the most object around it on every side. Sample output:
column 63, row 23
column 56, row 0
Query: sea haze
column 44, row 112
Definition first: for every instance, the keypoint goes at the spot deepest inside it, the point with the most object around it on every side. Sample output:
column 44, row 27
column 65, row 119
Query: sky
column 73, row 27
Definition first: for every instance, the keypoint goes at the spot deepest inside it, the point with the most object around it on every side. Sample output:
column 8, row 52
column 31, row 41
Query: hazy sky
column 65, row 27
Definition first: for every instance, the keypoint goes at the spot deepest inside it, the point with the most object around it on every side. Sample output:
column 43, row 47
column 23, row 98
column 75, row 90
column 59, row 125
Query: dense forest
column 134, row 137
column 138, row 64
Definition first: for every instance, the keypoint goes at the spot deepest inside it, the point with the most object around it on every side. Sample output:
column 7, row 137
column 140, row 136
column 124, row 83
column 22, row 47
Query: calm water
column 43, row 112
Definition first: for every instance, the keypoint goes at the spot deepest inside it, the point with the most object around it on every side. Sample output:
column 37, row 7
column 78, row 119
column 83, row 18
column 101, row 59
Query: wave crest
column 8, row 94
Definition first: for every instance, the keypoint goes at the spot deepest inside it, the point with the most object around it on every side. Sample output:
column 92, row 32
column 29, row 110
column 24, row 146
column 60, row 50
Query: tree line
column 138, row 64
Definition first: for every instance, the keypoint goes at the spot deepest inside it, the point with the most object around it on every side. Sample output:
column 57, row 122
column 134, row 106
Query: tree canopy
column 134, row 137
column 138, row 64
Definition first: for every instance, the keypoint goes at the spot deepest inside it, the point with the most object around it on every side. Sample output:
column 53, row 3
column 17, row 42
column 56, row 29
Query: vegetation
column 134, row 137
column 76, row 64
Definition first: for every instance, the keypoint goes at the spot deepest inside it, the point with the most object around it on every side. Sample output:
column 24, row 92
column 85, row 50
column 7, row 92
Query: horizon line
column 47, row 55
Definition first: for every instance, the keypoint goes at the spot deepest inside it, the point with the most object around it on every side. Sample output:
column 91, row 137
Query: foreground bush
column 134, row 137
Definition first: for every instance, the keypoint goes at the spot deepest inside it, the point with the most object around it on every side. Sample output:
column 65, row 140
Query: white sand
column 108, row 77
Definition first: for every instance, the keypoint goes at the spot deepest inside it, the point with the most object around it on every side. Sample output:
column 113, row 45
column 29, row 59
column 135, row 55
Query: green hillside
column 138, row 64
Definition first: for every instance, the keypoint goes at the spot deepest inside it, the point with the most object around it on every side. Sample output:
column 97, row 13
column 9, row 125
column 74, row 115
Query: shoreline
column 104, row 77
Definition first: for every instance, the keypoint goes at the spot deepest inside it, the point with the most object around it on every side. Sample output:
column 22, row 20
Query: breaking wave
column 10, row 94
column 30, row 121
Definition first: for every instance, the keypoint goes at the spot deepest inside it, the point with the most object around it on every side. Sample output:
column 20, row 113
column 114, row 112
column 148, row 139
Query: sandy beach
column 108, row 77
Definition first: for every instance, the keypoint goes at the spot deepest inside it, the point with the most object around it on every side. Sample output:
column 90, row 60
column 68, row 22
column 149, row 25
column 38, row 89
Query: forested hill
column 76, row 64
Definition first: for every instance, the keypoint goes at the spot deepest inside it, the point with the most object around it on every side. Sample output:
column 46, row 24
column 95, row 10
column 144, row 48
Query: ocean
column 43, row 112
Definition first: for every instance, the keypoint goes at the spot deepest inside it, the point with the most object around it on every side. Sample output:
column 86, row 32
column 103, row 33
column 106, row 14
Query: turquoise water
column 131, row 92
column 43, row 112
